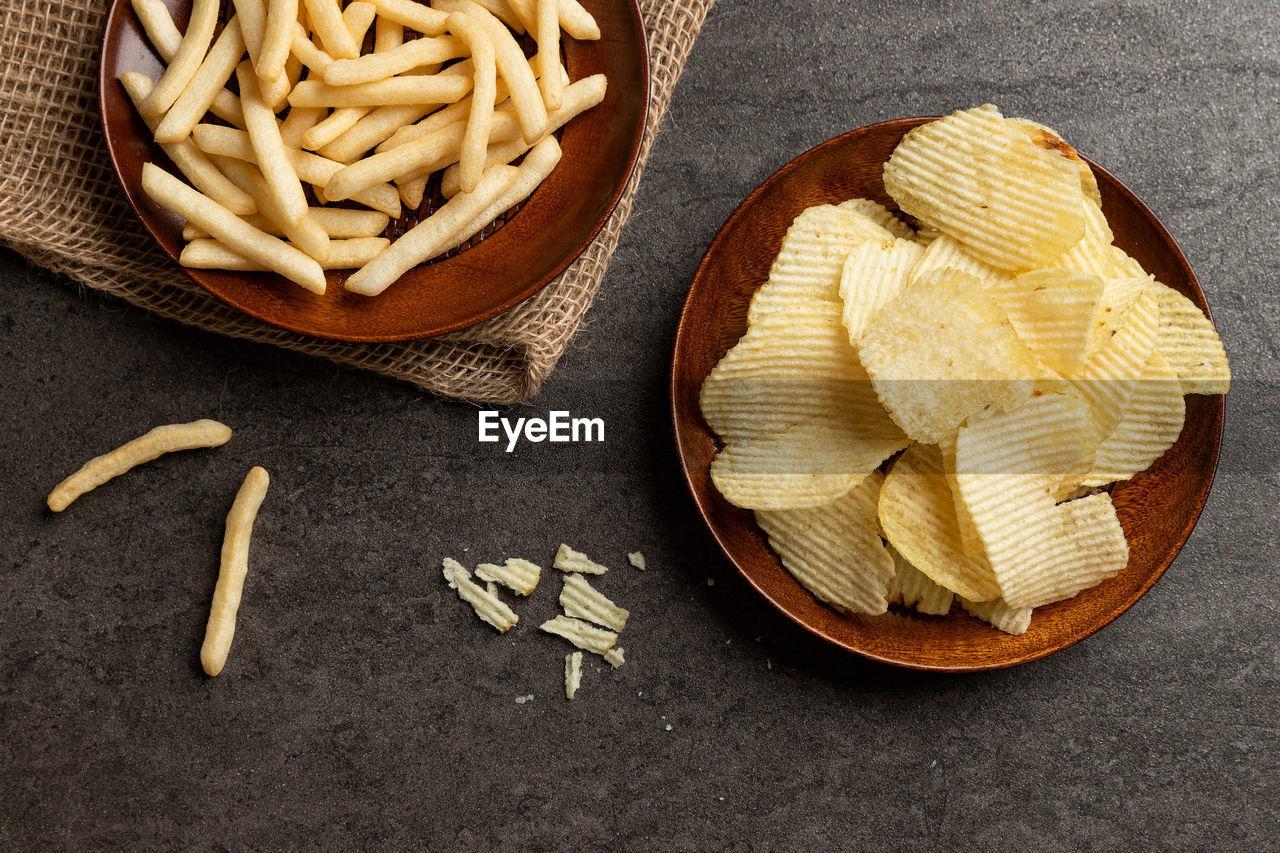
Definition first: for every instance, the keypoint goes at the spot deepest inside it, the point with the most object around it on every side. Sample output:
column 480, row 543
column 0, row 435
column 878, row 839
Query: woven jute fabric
column 61, row 208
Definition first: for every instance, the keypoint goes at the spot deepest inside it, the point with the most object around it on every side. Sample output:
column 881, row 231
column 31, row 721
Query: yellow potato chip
column 942, row 351
column 1149, row 426
column 1190, row 344
column 1052, row 311
column 918, row 516
column 1049, row 139
column 1093, row 253
column 1118, row 296
column 578, row 598
column 800, row 421
column 582, row 634
column 970, row 542
column 979, row 178
column 1109, row 377
column 998, row 614
column 911, row 587
column 945, row 252
column 926, row 235
column 880, row 215
column 835, row 550
column 516, row 574
column 874, row 273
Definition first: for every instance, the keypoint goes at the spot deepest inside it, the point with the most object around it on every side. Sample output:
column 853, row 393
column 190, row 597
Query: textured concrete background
column 365, row 707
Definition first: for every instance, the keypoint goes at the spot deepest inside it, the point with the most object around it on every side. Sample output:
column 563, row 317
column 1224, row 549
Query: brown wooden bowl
column 1157, row 508
column 502, row 266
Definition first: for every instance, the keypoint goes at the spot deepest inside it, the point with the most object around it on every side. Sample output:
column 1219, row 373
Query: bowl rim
column 532, row 287
column 674, row 399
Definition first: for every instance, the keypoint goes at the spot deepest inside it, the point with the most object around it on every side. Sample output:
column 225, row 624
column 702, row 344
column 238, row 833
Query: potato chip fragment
column 486, row 605
column 981, row 179
column 835, row 550
column 569, row 560
column 943, row 351
column 911, row 587
column 580, row 599
column 945, row 252
column 1108, row 379
column 1190, row 344
column 1149, row 426
column 1052, row 311
column 880, row 215
column 636, row 559
column 572, row 674
column 582, row 634
column 615, row 656
column 998, row 614
column 917, row 514
column 520, row 576
column 873, row 274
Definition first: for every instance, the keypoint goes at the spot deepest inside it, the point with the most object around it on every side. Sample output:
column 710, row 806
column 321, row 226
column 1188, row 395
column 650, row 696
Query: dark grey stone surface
column 363, row 707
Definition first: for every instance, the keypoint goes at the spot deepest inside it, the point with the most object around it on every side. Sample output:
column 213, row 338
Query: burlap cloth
column 61, row 208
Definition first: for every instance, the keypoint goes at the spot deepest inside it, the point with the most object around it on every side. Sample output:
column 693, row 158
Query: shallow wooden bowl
column 505, row 265
column 1157, row 509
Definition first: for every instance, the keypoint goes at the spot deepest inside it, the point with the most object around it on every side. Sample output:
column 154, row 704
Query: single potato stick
column 533, row 170
column 275, row 93
column 436, row 89
column 336, row 39
column 448, row 114
column 334, row 125
column 412, row 192
column 165, row 38
column 306, row 234
column 548, row 56
column 231, row 574
column 268, row 148
column 253, row 23
column 431, row 236
column 475, row 141
column 387, row 34
column 306, row 51
column 190, row 160
column 415, row 158
column 156, row 443
column 186, row 61
column 576, row 21
column 298, row 122
column 208, row 81
column 514, row 68
column 379, row 66
column 340, row 223
column 415, row 16
column 347, row 254
column 358, row 17
column 221, row 223
column 277, row 38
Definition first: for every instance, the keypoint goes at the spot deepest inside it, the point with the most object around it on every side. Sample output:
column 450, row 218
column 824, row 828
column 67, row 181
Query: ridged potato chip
column 1093, row 253
column 1049, row 139
column 943, row 351
column 945, row 252
column 917, row 514
column 1110, row 376
column 1052, row 311
column 998, row 614
column 982, row 180
column 911, row 587
column 873, row 274
column 1118, row 296
column 969, row 539
column 880, row 215
column 1190, row 344
column 835, row 550
column 1150, row 424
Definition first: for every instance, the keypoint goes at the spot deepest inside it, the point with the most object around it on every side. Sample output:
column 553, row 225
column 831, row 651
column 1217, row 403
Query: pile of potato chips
column 922, row 417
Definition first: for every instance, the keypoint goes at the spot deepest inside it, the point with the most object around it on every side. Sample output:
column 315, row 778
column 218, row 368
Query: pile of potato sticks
column 367, row 129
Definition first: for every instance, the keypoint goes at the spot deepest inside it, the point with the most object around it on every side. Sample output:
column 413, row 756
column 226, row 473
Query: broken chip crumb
column 572, row 673
column 487, row 606
column 579, row 598
column 584, row 635
column 615, row 656
column 711, row 581
column 520, row 700
column 668, row 727
column 636, row 559
column 520, row 576
column 569, row 560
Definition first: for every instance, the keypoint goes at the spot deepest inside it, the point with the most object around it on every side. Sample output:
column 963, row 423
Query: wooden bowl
column 501, row 267
column 1157, row 508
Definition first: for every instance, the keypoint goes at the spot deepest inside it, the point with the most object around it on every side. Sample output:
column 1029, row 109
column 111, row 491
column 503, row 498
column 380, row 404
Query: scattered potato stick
column 393, row 91
column 500, row 9
column 275, row 93
column 224, row 225
column 582, row 634
column 547, row 36
column 208, row 81
column 334, row 36
column 636, row 559
column 338, row 222
column 186, row 61
column 268, row 148
column 533, row 170
column 334, row 125
column 253, row 23
column 615, row 656
column 520, row 576
column 487, row 606
column 514, row 68
column 415, row 16
column 358, row 17
column 580, row 599
column 346, row 254
column 998, row 614
column 569, row 560
column 431, row 236
column 423, row 154
column 387, row 34
column 165, row 38
column 306, row 233
column 277, row 38
column 379, row 66
column 305, row 50
column 412, row 192
column 578, row 22
column 912, row 588
column 156, row 443
column 572, row 674
column 235, row 565
column 189, row 159
column 298, row 122
column 475, row 142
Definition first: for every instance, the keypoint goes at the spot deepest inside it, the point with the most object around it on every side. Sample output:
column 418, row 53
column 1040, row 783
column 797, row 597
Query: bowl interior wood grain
column 510, row 264
column 1157, row 509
